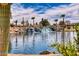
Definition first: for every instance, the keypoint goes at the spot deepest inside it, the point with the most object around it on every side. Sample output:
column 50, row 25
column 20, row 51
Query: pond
column 36, row 42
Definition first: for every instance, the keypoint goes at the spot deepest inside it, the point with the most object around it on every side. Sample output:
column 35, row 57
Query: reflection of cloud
column 46, row 11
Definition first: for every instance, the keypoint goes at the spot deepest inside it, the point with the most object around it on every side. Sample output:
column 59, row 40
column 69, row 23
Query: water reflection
column 16, row 40
column 33, row 40
column 36, row 42
column 23, row 39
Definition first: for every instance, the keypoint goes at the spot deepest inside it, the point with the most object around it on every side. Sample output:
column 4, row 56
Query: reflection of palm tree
column 23, row 39
column 16, row 41
column 33, row 19
column 33, row 40
column 56, row 28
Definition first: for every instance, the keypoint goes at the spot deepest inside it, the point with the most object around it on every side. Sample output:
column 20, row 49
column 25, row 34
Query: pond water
column 36, row 42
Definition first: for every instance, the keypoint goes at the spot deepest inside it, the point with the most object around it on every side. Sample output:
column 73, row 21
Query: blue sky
column 50, row 11
column 48, row 5
column 42, row 6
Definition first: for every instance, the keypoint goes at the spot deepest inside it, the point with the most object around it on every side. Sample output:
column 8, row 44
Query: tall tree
column 56, row 28
column 63, row 15
column 22, row 22
column 33, row 19
column 44, row 22
column 16, row 21
column 27, row 23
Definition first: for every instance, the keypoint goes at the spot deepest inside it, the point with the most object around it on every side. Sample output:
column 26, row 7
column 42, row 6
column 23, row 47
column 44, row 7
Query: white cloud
column 71, row 10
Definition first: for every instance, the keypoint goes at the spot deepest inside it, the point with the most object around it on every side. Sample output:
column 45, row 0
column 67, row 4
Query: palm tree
column 63, row 15
column 27, row 23
column 56, row 28
column 22, row 22
column 16, row 21
column 33, row 19
column 42, row 19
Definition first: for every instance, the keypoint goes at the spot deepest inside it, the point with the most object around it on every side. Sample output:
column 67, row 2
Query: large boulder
column 45, row 52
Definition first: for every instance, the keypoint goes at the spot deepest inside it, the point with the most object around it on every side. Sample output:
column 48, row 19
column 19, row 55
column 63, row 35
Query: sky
column 50, row 11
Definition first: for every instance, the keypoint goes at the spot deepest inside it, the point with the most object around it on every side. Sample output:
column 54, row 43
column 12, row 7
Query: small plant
column 67, row 50
column 77, row 39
